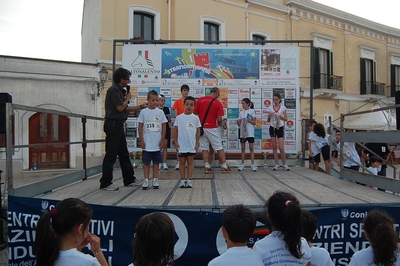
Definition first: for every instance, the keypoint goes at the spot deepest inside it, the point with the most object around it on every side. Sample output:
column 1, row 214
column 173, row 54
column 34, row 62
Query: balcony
column 325, row 81
column 392, row 89
column 374, row 88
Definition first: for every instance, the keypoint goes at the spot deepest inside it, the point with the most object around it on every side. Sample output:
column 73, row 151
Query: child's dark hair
column 239, row 222
column 319, row 130
column 309, row 222
column 154, row 240
column 284, row 213
column 162, row 96
column 57, row 223
column 184, row 87
column 373, row 159
column 312, row 122
column 152, row 93
column 382, row 237
column 277, row 94
column 189, row 98
column 121, row 73
column 249, row 102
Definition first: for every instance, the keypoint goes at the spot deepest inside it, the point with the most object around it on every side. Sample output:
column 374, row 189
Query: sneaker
column 145, row 184
column 226, row 170
column 111, row 187
column 177, row 166
column 136, row 182
column 286, row 167
column 189, row 184
column 276, row 167
column 165, row 166
column 253, row 168
column 240, row 167
column 155, row 184
column 183, row 183
column 207, row 170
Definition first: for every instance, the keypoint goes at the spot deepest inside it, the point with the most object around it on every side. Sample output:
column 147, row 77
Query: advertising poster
column 239, row 72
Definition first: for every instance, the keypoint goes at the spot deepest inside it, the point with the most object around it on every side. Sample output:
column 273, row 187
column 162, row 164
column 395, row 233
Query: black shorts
column 276, row 132
column 186, row 154
column 317, row 158
column 325, row 152
column 249, row 140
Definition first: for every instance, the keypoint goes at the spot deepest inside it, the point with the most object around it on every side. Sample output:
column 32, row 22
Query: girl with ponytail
column 62, row 232
column 383, row 240
column 285, row 244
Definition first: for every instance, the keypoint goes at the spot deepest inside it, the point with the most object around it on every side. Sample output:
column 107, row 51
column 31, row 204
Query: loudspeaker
column 4, row 98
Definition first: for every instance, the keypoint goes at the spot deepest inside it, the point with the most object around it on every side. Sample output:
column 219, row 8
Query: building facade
column 356, row 61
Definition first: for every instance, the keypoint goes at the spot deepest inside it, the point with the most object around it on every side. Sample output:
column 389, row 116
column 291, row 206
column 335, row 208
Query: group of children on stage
column 154, row 134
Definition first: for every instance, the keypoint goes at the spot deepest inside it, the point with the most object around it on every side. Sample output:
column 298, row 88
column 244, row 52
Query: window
column 367, row 76
column 143, row 25
column 258, row 38
column 394, row 79
column 211, row 32
column 144, row 22
column 323, row 68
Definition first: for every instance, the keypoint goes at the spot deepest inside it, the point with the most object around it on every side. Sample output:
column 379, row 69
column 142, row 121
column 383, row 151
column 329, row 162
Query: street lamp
column 103, row 75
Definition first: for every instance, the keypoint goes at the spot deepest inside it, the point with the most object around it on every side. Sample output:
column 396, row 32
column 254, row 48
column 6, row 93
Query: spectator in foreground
column 238, row 224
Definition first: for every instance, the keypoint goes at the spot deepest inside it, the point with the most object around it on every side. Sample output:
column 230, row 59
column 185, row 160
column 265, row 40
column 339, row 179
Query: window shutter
column 317, row 69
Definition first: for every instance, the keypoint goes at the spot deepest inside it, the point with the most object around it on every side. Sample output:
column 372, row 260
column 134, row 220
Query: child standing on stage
column 167, row 138
column 247, row 122
column 152, row 134
column 277, row 116
column 319, row 137
column 187, row 137
column 178, row 109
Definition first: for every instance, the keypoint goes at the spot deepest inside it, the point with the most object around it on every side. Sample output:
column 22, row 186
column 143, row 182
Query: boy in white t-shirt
column 187, row 135
column 152, row 128
column 319, row 256
column 238, row 224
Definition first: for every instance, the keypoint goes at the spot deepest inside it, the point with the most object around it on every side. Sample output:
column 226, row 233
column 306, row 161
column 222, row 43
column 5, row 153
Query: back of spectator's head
column 310, row 223
column 154, row 240
column 239, row 222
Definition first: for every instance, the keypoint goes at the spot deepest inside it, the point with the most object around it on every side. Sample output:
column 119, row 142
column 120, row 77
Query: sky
column 51, row 29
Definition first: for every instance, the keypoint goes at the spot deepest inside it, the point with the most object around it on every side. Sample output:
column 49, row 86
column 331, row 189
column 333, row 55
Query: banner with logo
column 239, row 72
column 198, row 235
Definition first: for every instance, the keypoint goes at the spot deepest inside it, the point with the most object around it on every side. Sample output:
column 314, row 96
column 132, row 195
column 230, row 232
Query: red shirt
column 216, row 110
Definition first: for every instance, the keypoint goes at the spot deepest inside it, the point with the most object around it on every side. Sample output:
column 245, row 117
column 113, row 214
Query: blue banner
column 198, row 235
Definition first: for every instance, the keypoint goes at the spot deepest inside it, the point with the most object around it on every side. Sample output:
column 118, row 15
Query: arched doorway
column 48, row 128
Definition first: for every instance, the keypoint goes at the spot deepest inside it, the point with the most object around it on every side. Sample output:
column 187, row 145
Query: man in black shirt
column 380, row 149
column 116, row 107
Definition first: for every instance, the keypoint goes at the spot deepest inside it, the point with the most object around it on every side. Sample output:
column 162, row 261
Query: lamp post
column 103, row 75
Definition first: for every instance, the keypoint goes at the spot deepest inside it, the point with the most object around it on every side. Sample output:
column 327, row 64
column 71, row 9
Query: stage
column 216, row 191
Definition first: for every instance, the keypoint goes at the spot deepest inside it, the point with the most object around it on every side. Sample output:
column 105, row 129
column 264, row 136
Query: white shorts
column 211, row 136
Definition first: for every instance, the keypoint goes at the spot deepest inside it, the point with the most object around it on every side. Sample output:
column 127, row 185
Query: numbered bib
column 153, row 126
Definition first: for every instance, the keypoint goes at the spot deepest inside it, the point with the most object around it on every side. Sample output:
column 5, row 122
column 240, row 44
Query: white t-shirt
column 187, row 128
column 237, row 256
column 366, row 257
column 275, row 121
column 152, row 120
column 349, row 150
column 273, row 251
column 75, row 257
column 320, row 257
column 248, row 114
column 372, row 170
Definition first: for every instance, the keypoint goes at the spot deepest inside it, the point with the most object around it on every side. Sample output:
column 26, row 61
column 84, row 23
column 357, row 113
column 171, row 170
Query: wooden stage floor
column 215, row 192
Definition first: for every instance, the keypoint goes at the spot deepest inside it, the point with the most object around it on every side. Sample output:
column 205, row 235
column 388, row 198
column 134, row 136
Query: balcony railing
column 325, row 81
column 369, row 87
column 392, row 90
